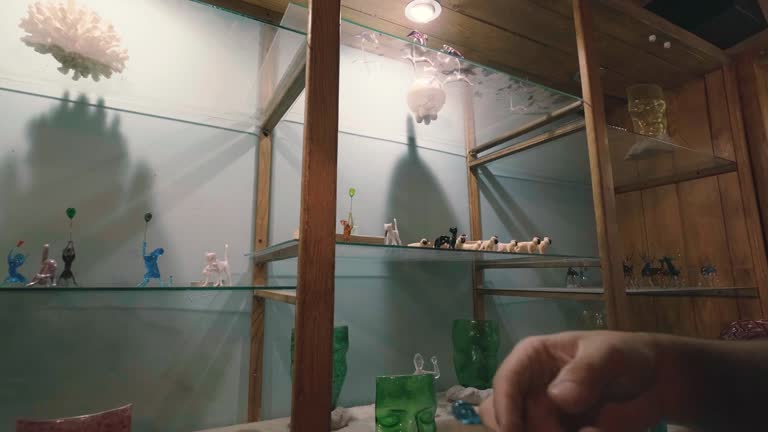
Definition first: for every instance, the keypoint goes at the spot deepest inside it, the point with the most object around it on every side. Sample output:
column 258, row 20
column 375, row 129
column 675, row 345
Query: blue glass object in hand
column 465, row 413
column 15, row 260
column 150, row 264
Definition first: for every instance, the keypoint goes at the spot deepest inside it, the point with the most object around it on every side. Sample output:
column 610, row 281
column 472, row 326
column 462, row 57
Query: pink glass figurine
column 47, row 274
column 218, row 269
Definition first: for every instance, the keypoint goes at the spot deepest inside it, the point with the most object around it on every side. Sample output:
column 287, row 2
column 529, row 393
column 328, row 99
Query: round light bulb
column 422, row 11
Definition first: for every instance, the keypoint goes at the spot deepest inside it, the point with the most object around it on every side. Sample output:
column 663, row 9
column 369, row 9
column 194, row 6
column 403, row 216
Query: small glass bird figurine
column 68, row 255
column 15, row 260
column 150, row 260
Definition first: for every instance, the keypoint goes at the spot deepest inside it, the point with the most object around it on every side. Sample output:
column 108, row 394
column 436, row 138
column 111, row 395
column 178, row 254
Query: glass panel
column 205, row 66
column 378, row 80
column 106, row 288
column 388, row 253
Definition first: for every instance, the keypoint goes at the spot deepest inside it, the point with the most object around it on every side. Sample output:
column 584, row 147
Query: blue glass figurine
column 150, row 261
column 14, row 262
column 465, row 413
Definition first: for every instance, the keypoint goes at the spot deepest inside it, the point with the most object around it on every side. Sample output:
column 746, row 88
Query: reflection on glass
column 340, row 348
column 475, row 352
column 648, row 109
column 406, row 403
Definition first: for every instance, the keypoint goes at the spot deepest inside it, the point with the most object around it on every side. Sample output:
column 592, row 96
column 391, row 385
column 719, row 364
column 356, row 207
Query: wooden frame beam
column 528, row 127
column 286, row 92
column 473, row 192
column 562, row 131
column 608, row 238
column 313, row 360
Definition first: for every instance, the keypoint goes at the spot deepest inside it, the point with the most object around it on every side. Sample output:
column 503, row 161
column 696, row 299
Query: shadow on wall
column 75, row 158
column 75, row 353
column 425, row 297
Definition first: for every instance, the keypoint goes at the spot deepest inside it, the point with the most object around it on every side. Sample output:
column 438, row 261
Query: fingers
column 605, row 368
column 488, row 415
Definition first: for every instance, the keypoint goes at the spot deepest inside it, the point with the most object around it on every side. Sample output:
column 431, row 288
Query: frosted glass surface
column 188, row 61
column 181, row 359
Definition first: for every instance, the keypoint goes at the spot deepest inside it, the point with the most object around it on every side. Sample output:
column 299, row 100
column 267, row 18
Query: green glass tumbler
column 475, row 352
column 406, row 403
column 340, row 348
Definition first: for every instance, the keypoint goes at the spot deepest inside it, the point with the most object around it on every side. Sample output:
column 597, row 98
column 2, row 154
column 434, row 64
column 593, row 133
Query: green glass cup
column 406, row 403
column 475, row 352
column 340, row 348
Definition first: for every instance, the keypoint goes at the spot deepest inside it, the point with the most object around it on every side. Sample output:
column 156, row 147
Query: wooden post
column 473, row 192
column 313, row 364
column 608, row 238
column 260, row 241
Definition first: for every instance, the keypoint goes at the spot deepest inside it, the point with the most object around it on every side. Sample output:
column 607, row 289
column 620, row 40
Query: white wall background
column 182, row 358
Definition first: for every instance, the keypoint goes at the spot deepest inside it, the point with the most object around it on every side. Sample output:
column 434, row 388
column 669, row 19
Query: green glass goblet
column 340, row 348
column 406, row 403
column 475, row 352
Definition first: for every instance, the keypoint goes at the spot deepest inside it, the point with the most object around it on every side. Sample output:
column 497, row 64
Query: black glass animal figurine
column 68, row 256
column 443, row 241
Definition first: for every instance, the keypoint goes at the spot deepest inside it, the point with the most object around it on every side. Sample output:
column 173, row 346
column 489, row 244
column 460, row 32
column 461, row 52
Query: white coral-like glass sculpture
column 76, row 37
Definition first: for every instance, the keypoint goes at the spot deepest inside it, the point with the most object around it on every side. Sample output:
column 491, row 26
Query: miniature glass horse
column 151, row 265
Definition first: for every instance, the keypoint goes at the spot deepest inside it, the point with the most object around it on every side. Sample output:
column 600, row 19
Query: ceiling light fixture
column 422, row 11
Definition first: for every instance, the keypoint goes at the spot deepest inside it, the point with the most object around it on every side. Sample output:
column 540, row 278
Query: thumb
column 580, row 383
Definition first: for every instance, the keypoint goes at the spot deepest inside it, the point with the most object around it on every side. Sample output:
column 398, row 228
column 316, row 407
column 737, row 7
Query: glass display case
column 203, row 129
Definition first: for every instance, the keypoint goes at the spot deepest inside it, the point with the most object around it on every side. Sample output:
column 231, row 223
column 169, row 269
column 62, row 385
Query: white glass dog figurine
column 219, row 270
column 424, row 243
column 510, row 247
column 542, row 247
column 490, row 245
column 529, row 247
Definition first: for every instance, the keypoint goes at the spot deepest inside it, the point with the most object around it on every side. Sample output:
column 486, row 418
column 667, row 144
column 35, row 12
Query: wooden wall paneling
column 528, row 18
column 629, row 208
column 473, row 193
column 701, row 211
column 742, row 263
column 311, row 396
column 664, row 233
column 754, row 102
column 747, row 122
column 608, row 238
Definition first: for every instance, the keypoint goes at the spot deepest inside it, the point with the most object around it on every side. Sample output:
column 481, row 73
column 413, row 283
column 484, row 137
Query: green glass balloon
column 406, row 403
column 340, row 348
column 475, row 352
column 352, row 192
column 71, row 212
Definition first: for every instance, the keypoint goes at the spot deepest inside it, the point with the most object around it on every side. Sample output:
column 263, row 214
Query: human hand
column 581, row 381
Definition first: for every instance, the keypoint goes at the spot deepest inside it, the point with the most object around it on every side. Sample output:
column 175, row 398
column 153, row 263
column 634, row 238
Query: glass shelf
column 499, row 102
column 695, row 292
column 383, row 253
column 547, row 293
column 639, row 162
column 642, row 162
column 107, row 288
column 174, row 80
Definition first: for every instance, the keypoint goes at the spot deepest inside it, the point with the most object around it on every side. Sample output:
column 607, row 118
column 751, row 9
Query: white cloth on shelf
column 340, row 417
column 470, row 395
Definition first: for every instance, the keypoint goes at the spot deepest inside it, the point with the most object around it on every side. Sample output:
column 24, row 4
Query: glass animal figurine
column 217, row 269
column 68, row 255
column 465, row 413
column 418, row 363
column 15, row 260
column 47, row 274
column 150, row 260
